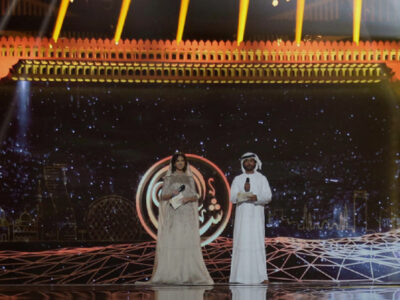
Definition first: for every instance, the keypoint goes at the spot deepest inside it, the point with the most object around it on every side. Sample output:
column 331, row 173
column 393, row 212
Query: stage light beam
column 22, row 101
column 299, row 20
column 244, row 7
column 46, row 20
column 7, row 15
column 357, row 11
column 60, row 19
column 121, row 20
column 182, row 19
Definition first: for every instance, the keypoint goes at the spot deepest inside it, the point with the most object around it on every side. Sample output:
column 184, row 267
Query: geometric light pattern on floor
column 371, row 257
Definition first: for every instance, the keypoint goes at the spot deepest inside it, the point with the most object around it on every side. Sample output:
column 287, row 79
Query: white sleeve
column 234, row 190
column 265, row 196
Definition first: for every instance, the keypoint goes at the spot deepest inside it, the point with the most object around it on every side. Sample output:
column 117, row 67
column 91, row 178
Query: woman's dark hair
column 174, row 159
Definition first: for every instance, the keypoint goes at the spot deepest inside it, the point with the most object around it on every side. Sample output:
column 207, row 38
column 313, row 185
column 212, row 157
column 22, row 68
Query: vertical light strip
column 182, row 19
column 60, row 19
column 299, row 20
column 46, row 19
column 357, row 20
column 244, row 7
column 121, row 20
column 7, row 15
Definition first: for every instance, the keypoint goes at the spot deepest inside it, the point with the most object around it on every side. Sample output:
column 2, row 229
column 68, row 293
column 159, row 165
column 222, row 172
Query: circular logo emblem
column 214, row 206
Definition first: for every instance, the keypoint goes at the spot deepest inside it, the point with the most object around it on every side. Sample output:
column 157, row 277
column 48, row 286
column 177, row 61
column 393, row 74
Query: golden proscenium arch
column 121, row 20
column 182, row 19
column 60, row 19
column 299, row 20
column 244, row 7
column 357, row 20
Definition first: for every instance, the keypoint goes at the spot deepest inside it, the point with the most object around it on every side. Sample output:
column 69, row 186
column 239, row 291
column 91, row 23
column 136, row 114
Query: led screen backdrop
column 73, row 155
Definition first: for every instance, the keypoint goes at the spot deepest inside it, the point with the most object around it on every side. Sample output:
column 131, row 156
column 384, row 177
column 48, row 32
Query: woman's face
column 180, row 163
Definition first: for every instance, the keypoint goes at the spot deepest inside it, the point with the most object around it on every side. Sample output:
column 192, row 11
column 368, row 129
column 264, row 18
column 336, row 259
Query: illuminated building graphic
column 56, row 212
column 112, row 218
column 355, row 220
column 360, row 209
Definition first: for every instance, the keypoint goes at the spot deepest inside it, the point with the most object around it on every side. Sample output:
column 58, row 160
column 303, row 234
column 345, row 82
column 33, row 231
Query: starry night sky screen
column 318, row 144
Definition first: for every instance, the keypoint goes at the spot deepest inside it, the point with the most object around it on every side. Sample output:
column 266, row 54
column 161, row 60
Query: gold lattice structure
column 147, row 61
column 112, row 218
column 198, row 73
column 25, row 228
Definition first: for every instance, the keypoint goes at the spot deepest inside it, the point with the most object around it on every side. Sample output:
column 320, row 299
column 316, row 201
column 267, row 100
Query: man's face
column 249, row 164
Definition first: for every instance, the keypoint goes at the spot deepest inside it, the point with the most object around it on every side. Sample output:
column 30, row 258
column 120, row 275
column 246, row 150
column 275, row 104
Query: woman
column 178, row 253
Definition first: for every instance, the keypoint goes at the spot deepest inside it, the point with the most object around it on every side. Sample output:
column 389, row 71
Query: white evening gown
column 179, row 259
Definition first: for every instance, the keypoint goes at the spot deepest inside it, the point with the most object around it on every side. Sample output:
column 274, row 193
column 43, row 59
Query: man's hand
column 252, row 198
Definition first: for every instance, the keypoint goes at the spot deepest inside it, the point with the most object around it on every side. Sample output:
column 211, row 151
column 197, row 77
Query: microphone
column 181, row 188
column 247, row 185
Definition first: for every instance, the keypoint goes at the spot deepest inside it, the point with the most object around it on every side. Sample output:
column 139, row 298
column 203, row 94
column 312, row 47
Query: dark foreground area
column 272, row 291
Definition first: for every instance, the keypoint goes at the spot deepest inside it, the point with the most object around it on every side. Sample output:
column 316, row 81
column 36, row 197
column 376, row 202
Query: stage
column 370, row 258
column 273, row 291
column 92, row 111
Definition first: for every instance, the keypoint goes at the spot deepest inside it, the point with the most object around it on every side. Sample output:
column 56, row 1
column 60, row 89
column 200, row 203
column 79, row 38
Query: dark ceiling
column 217, row 19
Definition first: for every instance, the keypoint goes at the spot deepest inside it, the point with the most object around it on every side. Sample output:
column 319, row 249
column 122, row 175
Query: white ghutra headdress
column 252, row 155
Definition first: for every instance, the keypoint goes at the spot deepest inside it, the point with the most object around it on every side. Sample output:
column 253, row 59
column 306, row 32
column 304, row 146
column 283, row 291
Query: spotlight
column 275, row 3
column 22, row 96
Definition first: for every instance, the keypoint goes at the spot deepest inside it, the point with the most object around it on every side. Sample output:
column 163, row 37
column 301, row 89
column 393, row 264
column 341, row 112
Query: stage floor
column 273, row 291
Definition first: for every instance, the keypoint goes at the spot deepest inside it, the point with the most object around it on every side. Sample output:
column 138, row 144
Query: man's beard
column 249, row 168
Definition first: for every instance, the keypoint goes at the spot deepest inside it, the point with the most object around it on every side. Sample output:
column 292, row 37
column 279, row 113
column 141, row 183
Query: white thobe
column 249, row 256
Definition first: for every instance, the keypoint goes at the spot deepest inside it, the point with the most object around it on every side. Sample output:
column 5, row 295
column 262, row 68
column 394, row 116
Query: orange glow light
column 299, row 20
column 60, row 19
column 357, row 20
column 182, row 19
column 156, row 166
column 121, row 20
column 244, row 7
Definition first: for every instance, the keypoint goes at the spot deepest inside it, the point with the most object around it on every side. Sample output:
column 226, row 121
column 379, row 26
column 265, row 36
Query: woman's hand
column 189, row 199
column 174, row 193
column 168, row 197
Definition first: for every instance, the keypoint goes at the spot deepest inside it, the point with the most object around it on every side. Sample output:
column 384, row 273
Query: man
column 250, row 191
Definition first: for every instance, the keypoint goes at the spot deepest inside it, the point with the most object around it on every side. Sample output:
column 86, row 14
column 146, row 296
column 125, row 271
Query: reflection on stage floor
column 273, row 291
